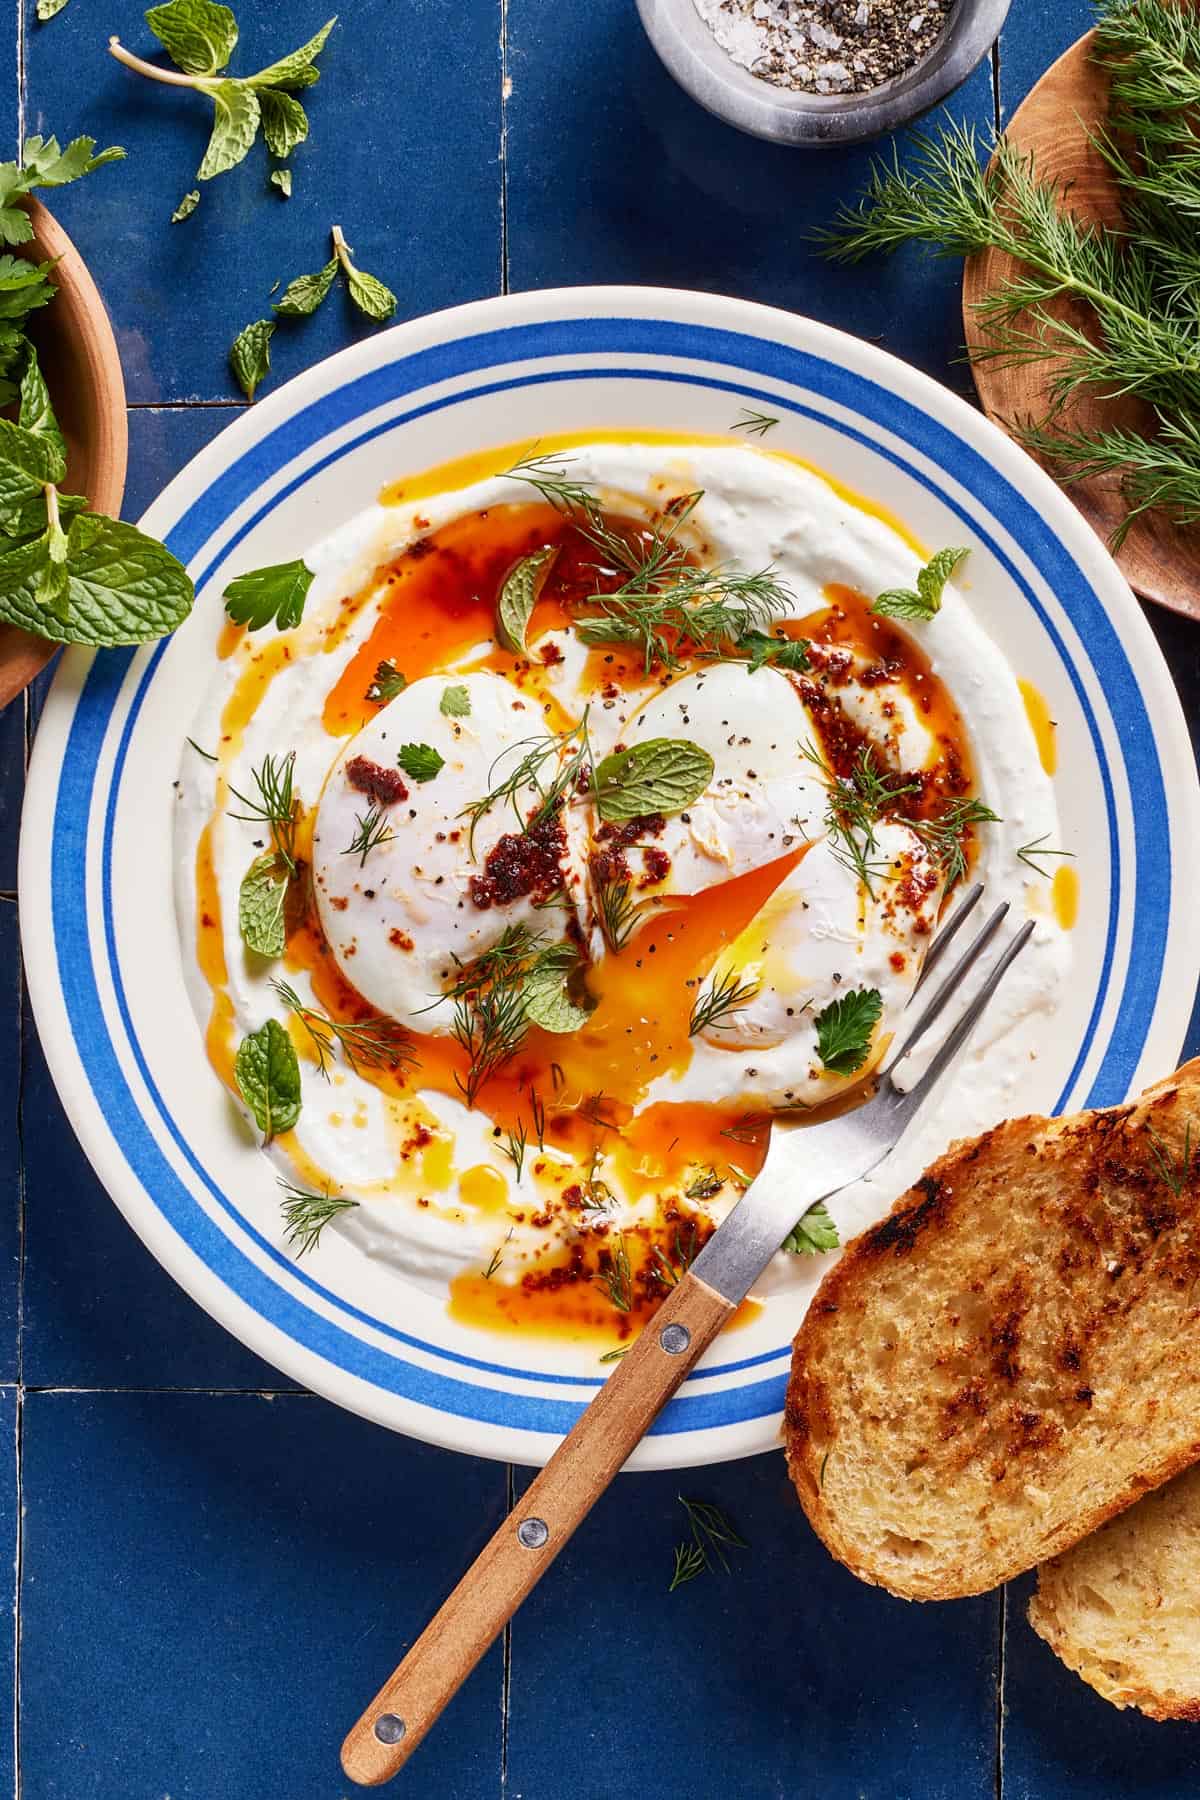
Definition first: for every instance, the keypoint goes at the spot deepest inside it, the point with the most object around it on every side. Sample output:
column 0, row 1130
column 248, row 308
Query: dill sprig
column 1030, row 854
column 274, row 804
column 370, row 830
column 669, row 1269
column 521, row 783
column 515, row 1145
column 595, row 1193
column 713, row 1537
column 537, row 1110
column 855, row 805
column 704, row 1184
column 615, row 1277
column 490, row 995
column 1138, row 283
column 728, row 994
column 497, row 1261
column 617, row 912
column 306, row 1214
column 754, row 424
column 944, row 835
column 1173, row 1171
column 376, row 1043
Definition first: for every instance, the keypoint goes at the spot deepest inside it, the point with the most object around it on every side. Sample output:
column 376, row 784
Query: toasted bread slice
column 1013, row 1355
column 1123, row 1608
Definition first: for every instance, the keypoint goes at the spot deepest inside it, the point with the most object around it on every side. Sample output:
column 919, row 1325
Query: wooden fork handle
column 531, row 1537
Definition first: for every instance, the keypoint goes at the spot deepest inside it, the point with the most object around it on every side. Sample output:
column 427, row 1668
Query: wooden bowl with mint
column 70, row 571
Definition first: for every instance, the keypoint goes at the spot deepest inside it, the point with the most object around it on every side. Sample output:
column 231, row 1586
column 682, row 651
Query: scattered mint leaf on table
column 250, row 355
column 420, row 762
column 813, row 1234
column 262, row 899
column 186, row 207
column 277, row 592
column 661, row 775
column 367, row 292
column 282, row 179
column 200, row 37
column 47, row 9
column 303, row 295
column 844, row 1029
column 267, row 1071
column 455, row 703
column 925, row 601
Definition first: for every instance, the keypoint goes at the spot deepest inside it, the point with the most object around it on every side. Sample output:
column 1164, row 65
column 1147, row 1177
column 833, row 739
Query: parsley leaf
column 277, row 592
column 262, row 899
column 518, row 597
column 368, row 294
column 250, row 355
column 813, row 1234
column 785, row 653
column 455, row 703
column 186, row 207
column 303, row 295
column 267, row 1071
column 387, row 684
column 43, row 164
column 421, row 762
column 844, row 1029
column 661, row 775
column 926, row 601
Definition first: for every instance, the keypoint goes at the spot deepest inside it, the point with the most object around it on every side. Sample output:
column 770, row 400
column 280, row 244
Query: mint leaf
column 661, row 775
column 36, row 412
column 815, row 1232
column 198, row 35
column 297, row 69
column 387, row 684
column 267, row 1071
column 22, row 502
column 235, row 127
column 303, row 295
column 519, row 595
column 47, row 9
column 547, row 1002
column 249, row 357
column 783, row 653
column 926, row 601
column 421, row 762
column 125, row 588
column 36, row 455
column 277, row 592
column 284, row 122
column 51, row 583
column 370, row 295
column 262, row 899
column 282, row 179
column 186, row 207
column 455, row 703
column 844, row 1030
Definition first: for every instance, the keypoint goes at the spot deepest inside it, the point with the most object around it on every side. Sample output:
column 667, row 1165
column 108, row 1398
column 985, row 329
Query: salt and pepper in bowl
column 818, row 72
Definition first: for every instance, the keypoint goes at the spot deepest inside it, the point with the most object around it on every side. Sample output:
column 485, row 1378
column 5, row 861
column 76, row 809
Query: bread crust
column 1012, row 1356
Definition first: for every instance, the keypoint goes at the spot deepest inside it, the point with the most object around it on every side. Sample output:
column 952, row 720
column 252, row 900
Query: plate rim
column 679, row 307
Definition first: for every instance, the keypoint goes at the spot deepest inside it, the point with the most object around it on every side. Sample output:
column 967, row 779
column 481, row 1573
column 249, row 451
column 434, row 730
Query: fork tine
column 963, row 1028
column 949, row 930
column 950, row 983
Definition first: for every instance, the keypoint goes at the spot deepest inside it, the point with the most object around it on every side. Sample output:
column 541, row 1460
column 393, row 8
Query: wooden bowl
column 1159, row 560
column 78, row 355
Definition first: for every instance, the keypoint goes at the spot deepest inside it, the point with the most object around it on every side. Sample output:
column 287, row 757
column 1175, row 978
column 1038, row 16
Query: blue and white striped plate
column 101, row 950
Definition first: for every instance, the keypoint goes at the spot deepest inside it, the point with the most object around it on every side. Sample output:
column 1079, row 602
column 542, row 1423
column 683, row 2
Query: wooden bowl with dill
column 1062, row 127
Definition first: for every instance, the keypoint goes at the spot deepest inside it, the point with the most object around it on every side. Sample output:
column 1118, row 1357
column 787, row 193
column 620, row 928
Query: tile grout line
column 505, row 90
column 1000, row 1662
column 20, row 76
column 995, row 61
column 506, row 1661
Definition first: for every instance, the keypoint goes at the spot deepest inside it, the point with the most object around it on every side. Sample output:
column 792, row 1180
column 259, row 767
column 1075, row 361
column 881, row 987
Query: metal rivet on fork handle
column 389, row 1729
column 532, row 1533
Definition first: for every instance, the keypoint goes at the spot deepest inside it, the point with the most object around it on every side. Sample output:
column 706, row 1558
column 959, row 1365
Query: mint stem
column 51, row 493
column 341, row 249
column 117, row 49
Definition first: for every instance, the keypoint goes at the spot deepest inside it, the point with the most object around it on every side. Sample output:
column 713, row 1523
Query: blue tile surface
column 402, row 153
column 213, row 1588
column 214, row 1583
column 784, row 1677
column 8, row 1557
column 614, row 174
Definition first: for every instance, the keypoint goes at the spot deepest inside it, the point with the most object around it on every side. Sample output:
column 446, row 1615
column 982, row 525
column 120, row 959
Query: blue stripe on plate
column 690, row 1411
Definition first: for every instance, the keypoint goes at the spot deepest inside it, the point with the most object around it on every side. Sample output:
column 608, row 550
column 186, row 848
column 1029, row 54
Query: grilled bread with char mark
column 1012, row 1356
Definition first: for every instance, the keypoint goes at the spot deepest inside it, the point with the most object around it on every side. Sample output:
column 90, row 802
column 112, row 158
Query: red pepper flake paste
column 399, row 939
column 383, row 786
column 521, row 865
column 608, row 863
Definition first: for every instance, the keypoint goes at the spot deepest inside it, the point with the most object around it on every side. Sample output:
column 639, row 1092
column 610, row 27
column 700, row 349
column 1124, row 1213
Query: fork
column 835, row 1152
